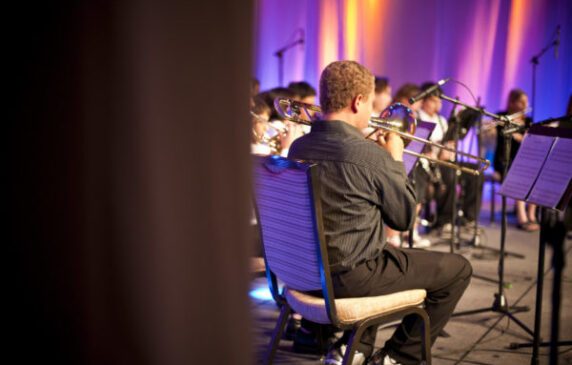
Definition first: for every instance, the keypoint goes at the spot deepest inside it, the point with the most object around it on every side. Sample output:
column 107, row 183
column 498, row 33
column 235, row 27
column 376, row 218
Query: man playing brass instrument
column 364, row 186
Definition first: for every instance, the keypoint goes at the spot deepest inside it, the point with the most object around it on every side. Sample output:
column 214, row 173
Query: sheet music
column 526, row 166
column 555, row 176
column 424, row 130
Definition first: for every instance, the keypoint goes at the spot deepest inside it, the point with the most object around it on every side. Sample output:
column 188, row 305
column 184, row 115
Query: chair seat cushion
column 352, row 310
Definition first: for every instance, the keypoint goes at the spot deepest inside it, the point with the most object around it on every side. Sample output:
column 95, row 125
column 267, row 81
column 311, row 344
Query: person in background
column 406, row 92
column 288, row 131
column 381, row 101
column 303, row 92
column 430, row 110
column 419, row 174
column 254, row 87
column 517, row 103
column 260, row 143
column 382, row 97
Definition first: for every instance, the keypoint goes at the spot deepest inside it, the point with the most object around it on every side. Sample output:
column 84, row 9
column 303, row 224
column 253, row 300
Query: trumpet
column 397, row 118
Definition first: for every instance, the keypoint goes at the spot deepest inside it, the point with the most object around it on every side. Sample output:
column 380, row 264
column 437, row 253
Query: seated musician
column 364, row 185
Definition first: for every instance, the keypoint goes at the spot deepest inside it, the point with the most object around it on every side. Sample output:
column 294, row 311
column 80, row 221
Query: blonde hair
column 341, row 81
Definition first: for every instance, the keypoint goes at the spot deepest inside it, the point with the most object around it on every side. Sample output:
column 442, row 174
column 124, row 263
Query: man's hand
column 393, row 144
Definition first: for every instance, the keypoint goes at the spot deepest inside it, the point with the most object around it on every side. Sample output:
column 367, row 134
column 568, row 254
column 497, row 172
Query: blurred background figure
column 303, row 92
column 261, row 143
column 382, row 95
column 404, row 93
column 381, row 101
column 517, row 103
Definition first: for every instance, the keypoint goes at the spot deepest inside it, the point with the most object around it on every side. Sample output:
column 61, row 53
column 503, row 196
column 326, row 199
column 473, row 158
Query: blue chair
column 290, row 218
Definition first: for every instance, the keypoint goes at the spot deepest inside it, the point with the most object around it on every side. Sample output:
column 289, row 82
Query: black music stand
column 541, row 175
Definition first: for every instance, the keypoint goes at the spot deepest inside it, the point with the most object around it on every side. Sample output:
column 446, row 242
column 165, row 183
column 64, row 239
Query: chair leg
column 425, row 339
column 492, row 219
column 277, row 334
column 352, row 344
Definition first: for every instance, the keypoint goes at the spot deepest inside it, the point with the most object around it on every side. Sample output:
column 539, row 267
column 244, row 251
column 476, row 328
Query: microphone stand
column 280, row 54
column 454, row 240
column 500, row 304
column 535, row 61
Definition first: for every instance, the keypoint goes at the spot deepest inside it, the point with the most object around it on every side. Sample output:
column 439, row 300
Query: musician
column 381, row 101
column 364, row 185
column 259, row 145
column 303, row 92
column 382, row 97
column 288, row 131
column 517, row 103
column 420, row 175
column 406, row 92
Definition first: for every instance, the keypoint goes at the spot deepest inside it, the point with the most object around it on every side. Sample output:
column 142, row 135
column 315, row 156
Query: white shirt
column 441, row 127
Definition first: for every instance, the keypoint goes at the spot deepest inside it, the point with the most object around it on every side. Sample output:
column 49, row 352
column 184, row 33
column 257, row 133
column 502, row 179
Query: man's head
column 347, row 89
column 254, row 86
column 517, row 101
column 269, row 96
column 382, row 95
column 304, row 92
column 432, row 104
column 406, row 92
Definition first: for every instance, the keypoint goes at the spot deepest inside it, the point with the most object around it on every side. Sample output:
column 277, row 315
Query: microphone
column 557, row 42
column 423, row 94
column 515, row 128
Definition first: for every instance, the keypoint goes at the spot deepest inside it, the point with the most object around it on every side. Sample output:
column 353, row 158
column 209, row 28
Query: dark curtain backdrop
column 486, row 44
column 129, row 183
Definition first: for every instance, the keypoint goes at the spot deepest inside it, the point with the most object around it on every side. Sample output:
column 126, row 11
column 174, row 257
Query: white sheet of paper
column 555, row 175
column 526, row 166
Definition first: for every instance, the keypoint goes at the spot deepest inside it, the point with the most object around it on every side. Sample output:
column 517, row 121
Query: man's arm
column 396, row 195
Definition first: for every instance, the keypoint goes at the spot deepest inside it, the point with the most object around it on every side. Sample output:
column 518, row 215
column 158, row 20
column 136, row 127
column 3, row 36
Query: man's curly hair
column 340, row 82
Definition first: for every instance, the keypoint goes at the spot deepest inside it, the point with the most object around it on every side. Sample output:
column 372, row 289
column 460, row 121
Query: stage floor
column 478, row 338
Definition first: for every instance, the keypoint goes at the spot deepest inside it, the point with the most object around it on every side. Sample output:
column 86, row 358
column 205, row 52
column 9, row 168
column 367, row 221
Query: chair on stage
column 289, row 213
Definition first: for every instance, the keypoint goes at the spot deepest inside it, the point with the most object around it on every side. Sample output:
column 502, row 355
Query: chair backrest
column 290, row 227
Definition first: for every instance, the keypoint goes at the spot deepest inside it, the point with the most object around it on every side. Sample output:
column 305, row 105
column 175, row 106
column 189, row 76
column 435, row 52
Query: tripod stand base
column 500, row 306
column 514, row 346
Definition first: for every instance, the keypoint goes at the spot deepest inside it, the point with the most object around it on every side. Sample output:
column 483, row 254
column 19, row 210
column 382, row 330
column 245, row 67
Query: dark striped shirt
column 362, row 187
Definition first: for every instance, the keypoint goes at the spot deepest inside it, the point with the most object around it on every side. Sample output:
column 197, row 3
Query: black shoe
column 291, row 329
column 313, row 338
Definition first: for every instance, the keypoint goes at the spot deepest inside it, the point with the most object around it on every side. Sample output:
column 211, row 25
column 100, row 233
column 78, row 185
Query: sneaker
column 336, row 356
column 292, row 327
column 395, row 241
column 313, row 340
column 381, row 358
column 419, row 242
column 422, row 243
column 446, row 230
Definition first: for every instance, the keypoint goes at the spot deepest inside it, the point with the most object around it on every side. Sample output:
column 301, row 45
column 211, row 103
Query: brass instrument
column 397, row 118
column 271, row 137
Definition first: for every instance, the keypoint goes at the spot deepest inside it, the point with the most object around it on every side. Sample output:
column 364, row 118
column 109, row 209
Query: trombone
column 397, row 118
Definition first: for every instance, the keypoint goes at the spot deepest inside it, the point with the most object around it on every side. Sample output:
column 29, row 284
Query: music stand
column 541, row 175
column 500, row 303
